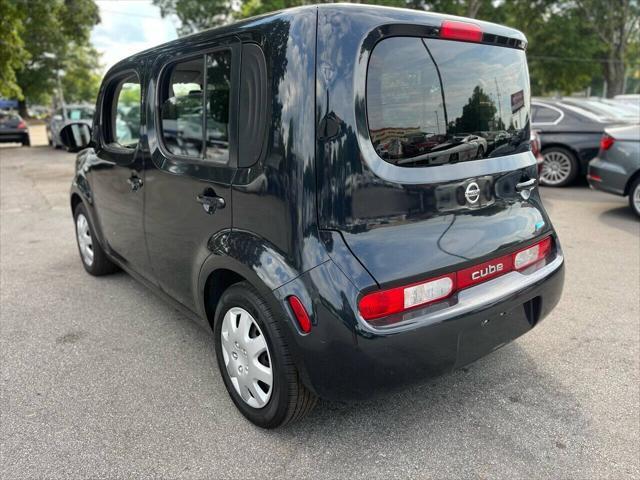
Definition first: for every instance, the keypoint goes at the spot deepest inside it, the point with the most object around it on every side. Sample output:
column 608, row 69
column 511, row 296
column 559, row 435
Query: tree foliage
column 12, row 52
column 613, row 24
column 47, row 40
column 196, row 15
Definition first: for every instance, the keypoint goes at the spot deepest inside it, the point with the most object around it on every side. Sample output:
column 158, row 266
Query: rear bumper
column 14, row 136
column 342, row 358
column 607, row 176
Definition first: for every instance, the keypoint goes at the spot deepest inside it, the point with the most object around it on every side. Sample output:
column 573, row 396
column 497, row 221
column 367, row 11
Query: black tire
column 574, row 167
column 26, row 141
column 634, row 193
column 101, row 265
column 290, row 400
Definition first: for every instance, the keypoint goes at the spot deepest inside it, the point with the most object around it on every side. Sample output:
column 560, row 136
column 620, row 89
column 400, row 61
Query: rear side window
column 432, row 102
column 126, row 127
column 121, row 112
column 194, row 107
column 544, row 115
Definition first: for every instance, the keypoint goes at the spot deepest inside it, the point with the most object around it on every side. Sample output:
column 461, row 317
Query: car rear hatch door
column 442, row 178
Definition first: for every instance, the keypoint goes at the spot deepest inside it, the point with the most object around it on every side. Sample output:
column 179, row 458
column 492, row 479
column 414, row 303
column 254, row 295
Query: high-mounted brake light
column 300, row 313
column 606, row 142
column 383, row 303
column 467, row 32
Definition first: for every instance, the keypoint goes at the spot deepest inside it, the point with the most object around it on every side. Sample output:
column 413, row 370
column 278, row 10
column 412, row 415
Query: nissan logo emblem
column 472, row 193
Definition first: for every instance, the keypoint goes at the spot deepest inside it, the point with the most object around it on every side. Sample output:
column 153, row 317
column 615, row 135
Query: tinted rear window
column 431, row 102
column 544, row 115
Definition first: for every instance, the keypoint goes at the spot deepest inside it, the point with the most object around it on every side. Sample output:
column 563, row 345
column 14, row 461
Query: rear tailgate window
column 433, row 102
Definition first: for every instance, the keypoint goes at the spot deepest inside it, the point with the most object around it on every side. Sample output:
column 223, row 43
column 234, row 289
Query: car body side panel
column 275, row 199
column 616, row 167
column 584, row 145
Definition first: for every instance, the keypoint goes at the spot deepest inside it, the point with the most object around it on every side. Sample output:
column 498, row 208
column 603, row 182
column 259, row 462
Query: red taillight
column 22, row 125
column 300, row 313
column 606, row 142
column 467, row 32
column 529, row 256
column 383, row 303
column 387, row 302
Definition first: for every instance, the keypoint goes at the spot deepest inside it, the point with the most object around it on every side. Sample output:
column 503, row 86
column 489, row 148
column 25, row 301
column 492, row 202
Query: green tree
column 485, row 9
column 251, row 8
column 54, row 33
column 196, row 15
column 615, row 24
column 12, row 52
column 561, row 50
column 81, row 75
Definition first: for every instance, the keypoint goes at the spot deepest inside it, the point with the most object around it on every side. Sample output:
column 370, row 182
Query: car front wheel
column 255, row 362
column 559, row 168
column 94, row 259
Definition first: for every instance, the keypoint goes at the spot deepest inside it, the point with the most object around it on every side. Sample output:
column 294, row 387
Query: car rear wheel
column 94, row 259
column 634, row 196
column 255, row 362
column 559, row 168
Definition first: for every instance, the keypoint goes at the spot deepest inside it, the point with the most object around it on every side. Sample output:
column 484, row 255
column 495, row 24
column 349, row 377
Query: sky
column 127, row 27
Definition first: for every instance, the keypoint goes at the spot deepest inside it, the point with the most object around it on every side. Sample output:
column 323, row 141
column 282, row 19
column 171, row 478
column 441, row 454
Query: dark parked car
column 13, row 129
column 569, row 137
column 322, row 269
column 617, row 166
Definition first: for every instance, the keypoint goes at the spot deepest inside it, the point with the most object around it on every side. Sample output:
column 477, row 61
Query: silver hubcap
column 556, row 168
column 636, row 198
column 84, row 239
column 246, row 357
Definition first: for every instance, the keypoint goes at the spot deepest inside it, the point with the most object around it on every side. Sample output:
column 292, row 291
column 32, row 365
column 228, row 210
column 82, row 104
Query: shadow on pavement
column 622, row 218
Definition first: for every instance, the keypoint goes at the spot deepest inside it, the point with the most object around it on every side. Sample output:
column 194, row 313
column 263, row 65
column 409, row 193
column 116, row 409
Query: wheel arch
column 215, row 285
column 241, row 256
column 75, row 200
column 633, row 178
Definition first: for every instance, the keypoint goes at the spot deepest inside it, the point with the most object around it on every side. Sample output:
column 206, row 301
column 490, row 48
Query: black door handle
column 211, row 202
column 134, row 182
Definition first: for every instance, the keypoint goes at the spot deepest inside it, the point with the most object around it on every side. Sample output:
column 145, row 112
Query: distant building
column 383, row 135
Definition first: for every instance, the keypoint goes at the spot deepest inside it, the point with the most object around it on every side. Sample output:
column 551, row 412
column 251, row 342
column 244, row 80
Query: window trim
column 377, row 39
column 550, row 107
column 105, row 126
column 395, row 174
column 234, row 46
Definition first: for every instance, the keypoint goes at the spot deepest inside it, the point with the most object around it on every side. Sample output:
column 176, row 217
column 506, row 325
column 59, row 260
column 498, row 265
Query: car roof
column 382, row 13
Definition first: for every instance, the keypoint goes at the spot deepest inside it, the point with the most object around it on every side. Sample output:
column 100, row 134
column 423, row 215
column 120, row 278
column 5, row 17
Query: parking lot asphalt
column 101, row 378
